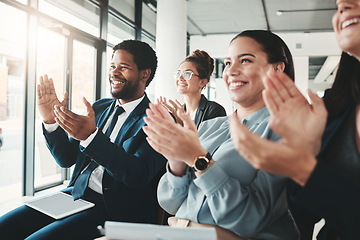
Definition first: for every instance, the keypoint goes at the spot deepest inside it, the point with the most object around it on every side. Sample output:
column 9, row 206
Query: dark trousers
column 27, row 223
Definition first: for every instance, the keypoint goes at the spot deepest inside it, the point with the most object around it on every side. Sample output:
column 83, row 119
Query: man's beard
column 127, row 92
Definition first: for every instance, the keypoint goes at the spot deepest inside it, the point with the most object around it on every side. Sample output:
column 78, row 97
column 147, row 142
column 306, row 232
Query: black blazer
column 207, row 110
column 131, row 165
column 329, row 194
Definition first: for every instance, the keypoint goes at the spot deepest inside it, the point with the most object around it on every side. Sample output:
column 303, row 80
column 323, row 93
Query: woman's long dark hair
column 346, row 87
column 274, row 47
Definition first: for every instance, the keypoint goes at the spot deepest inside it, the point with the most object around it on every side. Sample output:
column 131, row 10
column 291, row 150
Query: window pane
column 118, row 31
column 23, row 1
column 106, row 84
column 148, row 19
column 148, row 40
column 125, row 7
column 12, row 88
column 150, row 90
column 83, row 76
column 50, row 61
column 80, row 14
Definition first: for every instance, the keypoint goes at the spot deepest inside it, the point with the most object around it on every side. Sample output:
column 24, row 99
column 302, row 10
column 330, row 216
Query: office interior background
column 72, row 40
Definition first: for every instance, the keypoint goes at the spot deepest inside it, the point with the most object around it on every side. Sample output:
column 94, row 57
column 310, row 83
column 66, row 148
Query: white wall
column 170, row 45
column 313, row 44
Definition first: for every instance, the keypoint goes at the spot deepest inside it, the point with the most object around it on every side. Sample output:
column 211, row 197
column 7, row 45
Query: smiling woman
column 191, row 78
column 319, row 150
column 207, row 181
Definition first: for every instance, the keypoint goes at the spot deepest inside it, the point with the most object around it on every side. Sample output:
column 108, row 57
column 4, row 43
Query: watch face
column 201, row 164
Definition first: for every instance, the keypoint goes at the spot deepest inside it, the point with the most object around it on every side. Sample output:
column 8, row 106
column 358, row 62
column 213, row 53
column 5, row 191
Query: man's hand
column 77, row 126
column 47, row 99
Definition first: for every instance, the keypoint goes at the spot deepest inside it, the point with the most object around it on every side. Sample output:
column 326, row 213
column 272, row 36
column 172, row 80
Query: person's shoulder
column 215, row 123
column 215, row 104
column 215, row 127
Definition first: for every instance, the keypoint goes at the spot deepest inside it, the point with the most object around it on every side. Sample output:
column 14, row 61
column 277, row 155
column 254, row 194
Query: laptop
column 58, row 205
column 143, row 231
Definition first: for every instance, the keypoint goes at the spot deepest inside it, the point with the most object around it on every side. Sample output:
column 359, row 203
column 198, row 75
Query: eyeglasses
column 186, row 75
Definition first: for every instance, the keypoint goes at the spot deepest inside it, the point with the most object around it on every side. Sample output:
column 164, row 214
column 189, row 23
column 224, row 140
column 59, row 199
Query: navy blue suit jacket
column 131, row 165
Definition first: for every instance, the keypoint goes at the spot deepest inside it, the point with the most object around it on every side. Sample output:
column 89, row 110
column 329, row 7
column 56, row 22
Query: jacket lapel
column 105, row 115
column 200, row 112
column 135, row 116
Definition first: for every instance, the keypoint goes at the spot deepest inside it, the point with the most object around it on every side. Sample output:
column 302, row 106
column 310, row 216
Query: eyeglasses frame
column 176, row 77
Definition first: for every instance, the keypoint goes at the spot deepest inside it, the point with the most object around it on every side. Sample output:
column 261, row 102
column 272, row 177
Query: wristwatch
column 201, row 163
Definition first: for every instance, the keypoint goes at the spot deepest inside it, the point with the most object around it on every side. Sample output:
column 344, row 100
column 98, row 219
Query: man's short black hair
column 144, row 56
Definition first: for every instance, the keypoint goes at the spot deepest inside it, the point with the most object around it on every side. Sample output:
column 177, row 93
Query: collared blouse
column 231, row 193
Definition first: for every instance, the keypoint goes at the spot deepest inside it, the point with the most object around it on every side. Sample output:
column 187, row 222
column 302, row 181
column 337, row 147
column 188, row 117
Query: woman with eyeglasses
column 191, row 78
column 207, row 181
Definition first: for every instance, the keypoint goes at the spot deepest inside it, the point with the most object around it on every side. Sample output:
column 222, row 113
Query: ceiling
column 233, row 16
column 207, row 17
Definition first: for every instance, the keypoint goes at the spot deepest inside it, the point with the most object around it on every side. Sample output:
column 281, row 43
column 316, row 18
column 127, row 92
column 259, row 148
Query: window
column 150, row 90
column 63, row 42
column 148, row 40
column 118, row 30
column 23, row 1
column 106, row 84
column 125, row 7
column 148, row 19
column 83, row 76
column 50, row 61
column 12, row 90
column 80, row 14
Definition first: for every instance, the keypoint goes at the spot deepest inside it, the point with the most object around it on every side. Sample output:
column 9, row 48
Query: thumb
column 89, row 109
column 65, row 101
column 187, row 121
column 278, row 126
column 317, row 104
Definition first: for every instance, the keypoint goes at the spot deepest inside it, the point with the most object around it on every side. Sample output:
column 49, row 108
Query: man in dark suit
column 114, row 165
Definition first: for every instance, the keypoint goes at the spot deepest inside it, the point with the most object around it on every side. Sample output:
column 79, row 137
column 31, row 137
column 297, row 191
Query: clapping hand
column 292, row 117
column 179, row 144
column 77, row 126
column 172, row 107
column 298, row 123
column 47, row 99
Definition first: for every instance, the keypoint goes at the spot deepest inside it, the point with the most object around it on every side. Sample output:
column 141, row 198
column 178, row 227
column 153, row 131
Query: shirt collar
column 130, row 106
column 255, row 117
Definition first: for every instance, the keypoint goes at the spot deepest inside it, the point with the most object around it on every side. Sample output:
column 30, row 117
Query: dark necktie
column 118, row 110
column 83, row 180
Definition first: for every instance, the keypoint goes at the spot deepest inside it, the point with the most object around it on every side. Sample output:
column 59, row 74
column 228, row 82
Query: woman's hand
column 291, row 114
column 179, row 144
column 300, row 125
column 172, row 107
column 286, row 158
